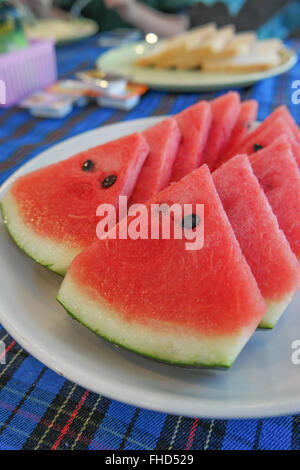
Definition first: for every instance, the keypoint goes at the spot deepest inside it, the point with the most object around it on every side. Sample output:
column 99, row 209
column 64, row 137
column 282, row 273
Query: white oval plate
column 262, row 382
column 121, row 62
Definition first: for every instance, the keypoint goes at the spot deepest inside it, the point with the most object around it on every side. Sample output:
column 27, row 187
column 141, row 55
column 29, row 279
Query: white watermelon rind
column 176, row 347
column 275, row 309
column 52, row 255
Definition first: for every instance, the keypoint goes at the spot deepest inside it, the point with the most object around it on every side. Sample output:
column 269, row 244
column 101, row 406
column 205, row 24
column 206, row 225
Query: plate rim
column 156, row 401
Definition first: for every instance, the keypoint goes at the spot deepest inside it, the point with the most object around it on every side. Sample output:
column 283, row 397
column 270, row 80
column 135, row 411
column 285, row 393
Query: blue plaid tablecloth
column 40, row 409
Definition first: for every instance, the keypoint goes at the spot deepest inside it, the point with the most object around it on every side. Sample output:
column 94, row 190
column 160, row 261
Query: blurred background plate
column 62, row 31
column 121, row 61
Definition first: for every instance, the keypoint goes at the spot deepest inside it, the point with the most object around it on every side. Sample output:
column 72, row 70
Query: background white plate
column 61, row 31
column 121, row 61
column 262, row 382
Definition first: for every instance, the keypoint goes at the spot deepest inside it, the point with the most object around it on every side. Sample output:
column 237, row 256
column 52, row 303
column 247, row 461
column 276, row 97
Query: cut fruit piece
column 250, row 139
column 51, row 213
column 155, row 297
column 277, row 171
column 194, row 124
column 263, row 55
column 266, row 137
column 225, row 111
column 191, row 39
column 239, row 46
column 212, row 46
column 245, row 120
column 167, row 49
column 264, row 245
column 163, row 140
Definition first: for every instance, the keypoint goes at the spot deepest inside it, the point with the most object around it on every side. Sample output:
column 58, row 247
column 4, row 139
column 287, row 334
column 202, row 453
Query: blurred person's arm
column 40, row 8
column 147, row 19
column 44, row 8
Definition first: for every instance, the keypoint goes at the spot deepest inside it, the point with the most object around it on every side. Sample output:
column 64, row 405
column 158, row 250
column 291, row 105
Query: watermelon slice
column 280, row 112
column 163, row 140
column 277, row 171
column 155, row 297
column 245, row 120
column 263, row 244
column 51, row 213
column 225, row 111
column 194, row 124
column 267, row 136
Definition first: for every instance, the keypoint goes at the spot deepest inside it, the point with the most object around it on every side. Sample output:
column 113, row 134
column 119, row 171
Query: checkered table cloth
column 40, row 409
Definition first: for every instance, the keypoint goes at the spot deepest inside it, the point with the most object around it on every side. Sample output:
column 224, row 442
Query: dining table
column 40, row 409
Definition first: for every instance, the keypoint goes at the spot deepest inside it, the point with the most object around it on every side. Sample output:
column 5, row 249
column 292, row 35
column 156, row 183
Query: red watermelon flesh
column 159, row 299
column 225, row 111
column 245, row 120
column 163, row 140
column 51, row 212
column 263, row 244
column 277, row 171
column 267, row 136
column 194, row 124
column 280, row 112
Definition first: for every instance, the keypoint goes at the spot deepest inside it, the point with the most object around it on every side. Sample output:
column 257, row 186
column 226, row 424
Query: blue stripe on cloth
column 141, row 436
column 96, row 119
column 12, row 123
column 11, row 395
column 5, row 446
column 264, row 93
column 32, row 410
column 113, row 427
column 240, row 434
column 145, row 107
column 182, row 102
column 276, row 434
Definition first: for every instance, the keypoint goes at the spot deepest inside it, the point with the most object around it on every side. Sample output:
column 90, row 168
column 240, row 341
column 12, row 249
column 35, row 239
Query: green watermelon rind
column 149, row 356
column 13, row 222
column 48, row 266
column 6, row 224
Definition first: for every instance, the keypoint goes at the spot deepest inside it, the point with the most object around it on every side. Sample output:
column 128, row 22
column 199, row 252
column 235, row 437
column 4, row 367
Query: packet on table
column 45, row 104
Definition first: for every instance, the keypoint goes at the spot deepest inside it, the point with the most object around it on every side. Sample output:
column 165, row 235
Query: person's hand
column 125, row 8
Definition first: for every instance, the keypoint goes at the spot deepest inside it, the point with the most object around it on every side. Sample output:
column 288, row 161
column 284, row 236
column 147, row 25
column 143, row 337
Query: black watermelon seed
column 257, row 147
column 88, row 165
column 109, row 181
column 190, row 221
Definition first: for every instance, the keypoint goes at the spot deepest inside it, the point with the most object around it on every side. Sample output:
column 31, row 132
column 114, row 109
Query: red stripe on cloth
column 192, row 434
column 7, row 349
column 72, row 417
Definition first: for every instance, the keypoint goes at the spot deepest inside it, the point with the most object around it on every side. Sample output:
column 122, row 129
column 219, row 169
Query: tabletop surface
column 40, row 409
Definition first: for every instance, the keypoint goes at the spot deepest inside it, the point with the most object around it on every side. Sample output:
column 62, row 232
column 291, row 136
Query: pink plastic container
column 26, row 71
